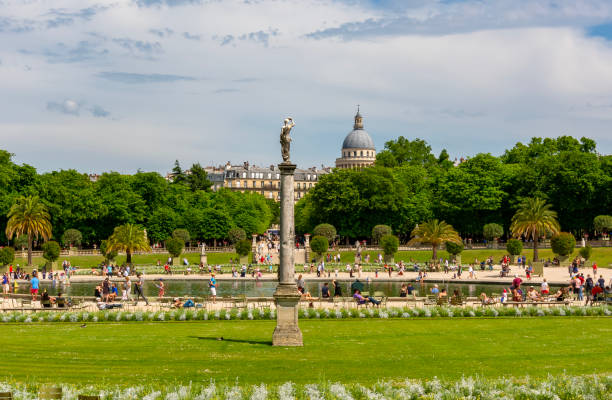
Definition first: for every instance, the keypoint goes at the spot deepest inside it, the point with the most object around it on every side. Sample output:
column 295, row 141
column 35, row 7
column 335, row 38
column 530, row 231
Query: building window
column 269, row 175
column 254, row 184
column 309, row 185
column 277, row 176
column 229, row 184
column 244, row 174
column 237, row 184
column 245, row 184
column 262, row 183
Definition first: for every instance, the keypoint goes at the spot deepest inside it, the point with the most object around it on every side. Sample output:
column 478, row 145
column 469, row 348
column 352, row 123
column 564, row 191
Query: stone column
column 287, row 332
column 306, row 248
column 254, row 249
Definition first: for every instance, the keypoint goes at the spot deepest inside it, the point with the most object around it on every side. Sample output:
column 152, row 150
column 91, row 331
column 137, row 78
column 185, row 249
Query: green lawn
column 348, row 350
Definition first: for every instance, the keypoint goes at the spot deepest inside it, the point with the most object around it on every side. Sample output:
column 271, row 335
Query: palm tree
column 28, row 216
column 128, row 238
column 533, row 219
column 434, row 233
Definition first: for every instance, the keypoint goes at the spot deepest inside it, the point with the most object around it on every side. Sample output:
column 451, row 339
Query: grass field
column 348, row 350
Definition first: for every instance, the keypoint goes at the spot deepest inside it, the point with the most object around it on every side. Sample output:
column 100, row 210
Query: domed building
column 358, row 148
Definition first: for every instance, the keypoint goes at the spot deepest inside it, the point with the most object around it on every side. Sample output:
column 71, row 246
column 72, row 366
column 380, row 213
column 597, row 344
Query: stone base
column 203, row 259
column 287, row 332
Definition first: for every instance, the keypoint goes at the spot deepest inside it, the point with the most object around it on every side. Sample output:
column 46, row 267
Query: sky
column 124, row 85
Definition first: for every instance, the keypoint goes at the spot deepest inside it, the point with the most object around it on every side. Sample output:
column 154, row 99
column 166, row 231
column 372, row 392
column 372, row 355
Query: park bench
column 431, row 300
column 241, row 302
column 380, row 296
column 49, row 393
column 457, row 301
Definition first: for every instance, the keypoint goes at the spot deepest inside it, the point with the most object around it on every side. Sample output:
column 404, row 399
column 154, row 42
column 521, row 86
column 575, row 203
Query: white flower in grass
column 371, row 312
column 272, row 314
column 317, row 315
column 95, row 318
column 118, row 316
column 207, row 393
column 340, row 392
column 217, row 314
column 182, row 317
column 495, row 313
column 450, row 313
column 205, row 316
column 338, row 314
column 161, row 316
column 138, row 316
column 370, row 394
column 606, row 312
column 327, row 312
column 233, row 393
column 28, row 320
column 286, row 391
column 405, row 315
column 250, row 315
column 427, row 312
column 228, row 316
column 361, row 315
column 259, row 392
column 172, row 396
column 313, row 393
column 152, row 396
column 261, row 313
column 63, row 317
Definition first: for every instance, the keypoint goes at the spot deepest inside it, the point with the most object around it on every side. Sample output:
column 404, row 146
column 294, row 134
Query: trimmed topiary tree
column 326, row 230
column 586, row 252
column 51, row 251
column 109, row 254
column 389, row 244
column 72, row 237
column 514, row 247
column 319, row 244
column 603, row 223
column 379, row 231
column 243, row 247
column 454, row 249
column 7, row 255
column 236, row 234
column 182, row 234
column 175, row 247
column 563, row 244
column 492, row 231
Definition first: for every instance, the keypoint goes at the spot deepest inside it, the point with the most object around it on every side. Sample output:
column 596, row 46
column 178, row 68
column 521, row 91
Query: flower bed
column 268, row 314
column 552, row 387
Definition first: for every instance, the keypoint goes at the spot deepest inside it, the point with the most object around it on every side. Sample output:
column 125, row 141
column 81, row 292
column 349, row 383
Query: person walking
column 161, row 287
column 138, row 288
column 34, row 285
column 6, row 284
column 212, row 284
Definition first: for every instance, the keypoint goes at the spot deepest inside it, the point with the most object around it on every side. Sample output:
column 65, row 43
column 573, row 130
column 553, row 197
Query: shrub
column 326, row 230
column 492, row 231
column 236, row 234
column 454, row 248
column 563, row 244
column 319, row 244
column 51, row 250
column 514, row 247
column 7, row 256
column 243, row 247
column 72, row 237
column 586, row 252
column 21, row 242
column 175, row 246
column 109, row 255
column 379, row 231
column 182, row 234
column 389, row 244
column 603, row 223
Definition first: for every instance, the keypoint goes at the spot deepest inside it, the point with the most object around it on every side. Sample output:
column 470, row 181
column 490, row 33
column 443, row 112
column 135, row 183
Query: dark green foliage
column 182, row 234
column 243, row 247
column 175, row 246
column 563, row 244
column 7, row 255
column 328, row 231
column 236, row 234
column 20, row 242
column 514, row 247
column 379, row 231
column 389, row 244
column 109, row 255
column 454, row 248
column 586, row 252
column 198, row 178
column 603, row 223
column 72, row 237
column 492, row 231
column 51, row 250
column 319, row 244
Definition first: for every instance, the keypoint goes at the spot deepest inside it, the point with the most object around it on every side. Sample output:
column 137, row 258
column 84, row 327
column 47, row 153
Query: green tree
column 178, row 175
column 514, row 247
column 403, row 151
column 586, row 252
column 162, row 223
column 128, row 238
column 319, row 244
column 603, row 223
column 243, row 247
column 389, row 244
column 198, row 178
column 492, row 231
column 534, row 219
column 175, row 246
column 453, row 248
column 72, row 237
column 434, row 233
column 379, row 231
column 20, row 242
column 7, row 255
column 327, row 231
column 109, row 254
column 181, row 234
column 28, row 216
column 563, row 244
column 236, row 234
column 51, row 250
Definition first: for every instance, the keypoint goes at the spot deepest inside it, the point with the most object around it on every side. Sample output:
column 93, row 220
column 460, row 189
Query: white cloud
column 527, row 70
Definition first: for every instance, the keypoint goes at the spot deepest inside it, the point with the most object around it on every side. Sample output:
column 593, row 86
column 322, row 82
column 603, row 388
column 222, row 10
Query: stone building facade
column 358, row 149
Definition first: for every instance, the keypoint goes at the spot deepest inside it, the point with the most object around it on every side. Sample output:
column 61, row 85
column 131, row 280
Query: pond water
column 179, row 288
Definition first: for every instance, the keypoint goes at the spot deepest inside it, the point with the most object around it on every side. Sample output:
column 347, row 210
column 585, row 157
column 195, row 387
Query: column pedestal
column 287, row 332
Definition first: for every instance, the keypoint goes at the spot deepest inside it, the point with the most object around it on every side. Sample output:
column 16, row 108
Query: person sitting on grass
column 363, row 300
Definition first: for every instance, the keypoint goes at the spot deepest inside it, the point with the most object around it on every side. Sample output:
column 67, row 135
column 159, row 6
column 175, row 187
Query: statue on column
column 285, row 139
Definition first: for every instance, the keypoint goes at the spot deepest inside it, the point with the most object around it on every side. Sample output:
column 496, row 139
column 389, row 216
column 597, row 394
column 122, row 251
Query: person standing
column 212, row 284
column 161, row 287
column 138, row 288
column 34, row 283
column 5, row 284
column 337, row 289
